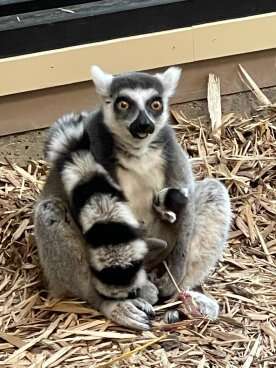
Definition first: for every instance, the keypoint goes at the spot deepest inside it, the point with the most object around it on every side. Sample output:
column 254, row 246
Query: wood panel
column 145, row 52
column 38, row 109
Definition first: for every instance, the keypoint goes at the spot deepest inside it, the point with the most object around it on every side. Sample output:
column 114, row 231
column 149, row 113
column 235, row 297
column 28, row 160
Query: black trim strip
column 109, row 19
column 12, row 7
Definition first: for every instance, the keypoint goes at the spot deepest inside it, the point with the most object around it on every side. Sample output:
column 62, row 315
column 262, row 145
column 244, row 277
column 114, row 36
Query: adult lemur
column 130, row 138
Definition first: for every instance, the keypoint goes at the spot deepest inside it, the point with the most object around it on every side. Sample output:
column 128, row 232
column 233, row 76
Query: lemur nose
column 145, row 125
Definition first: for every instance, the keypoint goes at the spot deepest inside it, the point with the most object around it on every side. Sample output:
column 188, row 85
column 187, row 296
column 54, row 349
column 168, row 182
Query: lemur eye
column 156, row 105
column 123, row 105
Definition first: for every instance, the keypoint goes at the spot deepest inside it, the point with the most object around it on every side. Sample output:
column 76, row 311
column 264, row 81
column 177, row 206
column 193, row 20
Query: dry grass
column 36, row 332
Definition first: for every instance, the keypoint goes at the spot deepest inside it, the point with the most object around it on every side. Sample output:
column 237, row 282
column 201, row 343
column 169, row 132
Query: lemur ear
column 102, row 80
column 170, row 79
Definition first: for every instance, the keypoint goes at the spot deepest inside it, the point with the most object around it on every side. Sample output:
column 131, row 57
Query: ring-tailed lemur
column 114, row 236
column 131, row 138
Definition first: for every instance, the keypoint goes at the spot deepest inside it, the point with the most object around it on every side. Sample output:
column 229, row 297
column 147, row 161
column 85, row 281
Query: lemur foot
column 149, row 292
column 208, row 307
column 172, row 316
column 132, row 313
column 196, row 304
column 169, row 202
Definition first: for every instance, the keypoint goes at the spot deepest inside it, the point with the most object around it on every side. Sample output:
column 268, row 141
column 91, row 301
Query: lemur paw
column 135, row 313
column 149, row 292
column 169, row 202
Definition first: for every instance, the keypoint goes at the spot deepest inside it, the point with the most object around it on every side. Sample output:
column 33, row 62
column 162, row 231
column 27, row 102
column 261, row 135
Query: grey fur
column 142, row 168
column 134, row 81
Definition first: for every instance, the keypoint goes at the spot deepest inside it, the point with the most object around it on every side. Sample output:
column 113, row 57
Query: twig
column 171, row 277
column 252, row 353
column 252, row 85
column 129, row 353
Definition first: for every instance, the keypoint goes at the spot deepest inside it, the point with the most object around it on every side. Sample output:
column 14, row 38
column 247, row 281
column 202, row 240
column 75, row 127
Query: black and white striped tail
column 97, row 202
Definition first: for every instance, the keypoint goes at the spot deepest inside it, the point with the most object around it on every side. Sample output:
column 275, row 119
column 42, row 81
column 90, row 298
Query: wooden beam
column 38, row 109
column 144, row 52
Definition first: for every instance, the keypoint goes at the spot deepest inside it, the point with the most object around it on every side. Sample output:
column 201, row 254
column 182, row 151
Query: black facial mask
column 141, row 127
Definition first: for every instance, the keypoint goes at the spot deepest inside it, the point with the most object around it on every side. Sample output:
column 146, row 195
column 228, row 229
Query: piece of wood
column 261, row 66
column 233, row 37
column 246, row 78
column 71, row 65
column 214, row 103
column 38, row 109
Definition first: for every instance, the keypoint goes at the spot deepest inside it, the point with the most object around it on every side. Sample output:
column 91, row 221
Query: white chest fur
column 140, row 178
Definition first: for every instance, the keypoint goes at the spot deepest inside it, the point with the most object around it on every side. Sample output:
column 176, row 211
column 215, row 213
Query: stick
column 171, row 276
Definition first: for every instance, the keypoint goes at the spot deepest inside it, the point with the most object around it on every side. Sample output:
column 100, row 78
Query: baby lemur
column 131, row 139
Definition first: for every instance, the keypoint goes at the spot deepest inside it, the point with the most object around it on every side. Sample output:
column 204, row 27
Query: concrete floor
column 21, row 148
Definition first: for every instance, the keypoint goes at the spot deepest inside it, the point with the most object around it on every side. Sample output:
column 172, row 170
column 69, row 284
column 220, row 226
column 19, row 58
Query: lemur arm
column 179, row 175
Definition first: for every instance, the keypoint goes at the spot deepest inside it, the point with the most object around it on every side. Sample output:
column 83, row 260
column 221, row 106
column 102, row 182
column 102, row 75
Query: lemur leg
column 62, row 253
column 209, row 234
column 64, row 261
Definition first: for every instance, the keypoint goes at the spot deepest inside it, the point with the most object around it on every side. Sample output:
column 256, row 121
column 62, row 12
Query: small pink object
column 190, row 306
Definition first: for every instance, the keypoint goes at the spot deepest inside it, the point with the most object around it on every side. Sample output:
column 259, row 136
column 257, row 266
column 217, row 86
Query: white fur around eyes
column 139, row 95
column 102, row 80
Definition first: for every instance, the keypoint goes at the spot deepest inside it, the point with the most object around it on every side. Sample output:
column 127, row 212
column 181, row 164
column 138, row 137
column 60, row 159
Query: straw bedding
column 37, row 332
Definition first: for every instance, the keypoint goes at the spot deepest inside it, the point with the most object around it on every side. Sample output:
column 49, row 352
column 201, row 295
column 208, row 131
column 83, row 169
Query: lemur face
column 139, row 110
column 135, row 104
